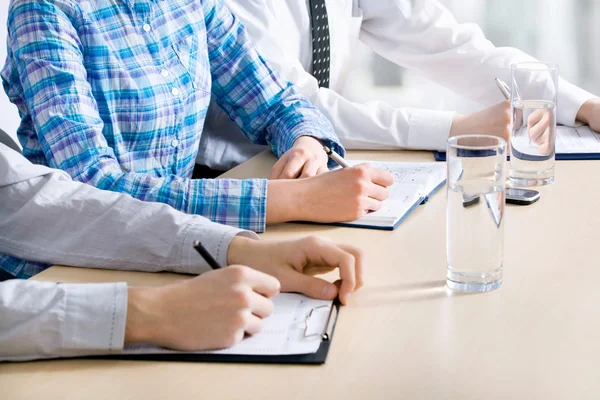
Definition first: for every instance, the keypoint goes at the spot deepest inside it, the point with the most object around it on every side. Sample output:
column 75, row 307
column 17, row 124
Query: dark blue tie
column 320, row 42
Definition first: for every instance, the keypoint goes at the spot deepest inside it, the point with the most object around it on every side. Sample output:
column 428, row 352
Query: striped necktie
column 320, row 42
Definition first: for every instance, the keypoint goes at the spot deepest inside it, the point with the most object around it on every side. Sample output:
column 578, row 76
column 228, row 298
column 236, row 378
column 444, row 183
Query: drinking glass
column 534, row 88
column 476, row 172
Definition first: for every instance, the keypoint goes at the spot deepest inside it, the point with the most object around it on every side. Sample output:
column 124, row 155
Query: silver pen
column 336, row 157
column 503, row 88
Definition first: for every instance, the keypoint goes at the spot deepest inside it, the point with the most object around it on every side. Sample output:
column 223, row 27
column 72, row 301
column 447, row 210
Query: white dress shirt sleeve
column 48, row 320
column 375, row 125
column 47, row 217
column 423, row 35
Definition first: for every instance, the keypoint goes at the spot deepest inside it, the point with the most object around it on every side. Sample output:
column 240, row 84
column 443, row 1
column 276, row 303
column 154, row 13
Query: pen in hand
column 210, row 260
column 336, row 157
column 503, row 88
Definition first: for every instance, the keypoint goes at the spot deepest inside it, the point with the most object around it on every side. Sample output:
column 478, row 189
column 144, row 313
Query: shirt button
column 175, row 143
column 175, row 92
column 164, row 73
column 146, row 27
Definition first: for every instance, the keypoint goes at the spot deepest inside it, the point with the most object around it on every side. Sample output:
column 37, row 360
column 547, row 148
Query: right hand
column 212, row 311
column 345, row 194
column 494, row 120
column 538, row 126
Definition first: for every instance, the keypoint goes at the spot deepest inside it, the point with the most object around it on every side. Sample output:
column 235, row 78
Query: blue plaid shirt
column 115, row 92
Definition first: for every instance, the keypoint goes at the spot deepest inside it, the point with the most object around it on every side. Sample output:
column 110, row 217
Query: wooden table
column 404, row 335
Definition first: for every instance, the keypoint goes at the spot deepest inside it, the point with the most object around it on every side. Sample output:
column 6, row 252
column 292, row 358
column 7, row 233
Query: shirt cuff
column 570, row 100
column 233, row 202
column 95, row 317
column 216, row 238
column 429, row 129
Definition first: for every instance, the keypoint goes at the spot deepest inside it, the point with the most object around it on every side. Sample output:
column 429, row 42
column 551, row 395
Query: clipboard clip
column 326, row 333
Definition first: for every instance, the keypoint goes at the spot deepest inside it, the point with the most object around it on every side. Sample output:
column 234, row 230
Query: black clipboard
column 313, row 358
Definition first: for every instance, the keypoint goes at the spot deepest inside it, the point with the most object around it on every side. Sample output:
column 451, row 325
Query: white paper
column 413, row 181
column 577, row 140
column 283, row 333
column 568, row 141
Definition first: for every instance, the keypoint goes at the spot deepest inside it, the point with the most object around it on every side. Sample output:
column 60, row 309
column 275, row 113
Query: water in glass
column 532, row 143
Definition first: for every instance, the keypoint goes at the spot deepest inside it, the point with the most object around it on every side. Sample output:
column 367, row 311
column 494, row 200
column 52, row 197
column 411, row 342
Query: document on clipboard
column 298, row 332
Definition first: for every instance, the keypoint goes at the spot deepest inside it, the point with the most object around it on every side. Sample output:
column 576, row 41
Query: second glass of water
column 475, row 215
column 533, row 108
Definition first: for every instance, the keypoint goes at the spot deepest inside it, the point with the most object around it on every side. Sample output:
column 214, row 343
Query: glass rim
column 452, row 142
column 541, row 66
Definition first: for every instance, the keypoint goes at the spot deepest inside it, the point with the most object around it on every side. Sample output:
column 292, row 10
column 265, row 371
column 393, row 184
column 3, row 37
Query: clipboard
column 316, row 358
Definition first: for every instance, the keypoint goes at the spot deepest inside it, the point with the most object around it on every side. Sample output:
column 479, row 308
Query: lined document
column 413, row 183
column 577, row 140
column 287, row 331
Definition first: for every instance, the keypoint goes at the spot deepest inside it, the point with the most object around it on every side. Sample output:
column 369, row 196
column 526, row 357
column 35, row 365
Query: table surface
column 404, row 335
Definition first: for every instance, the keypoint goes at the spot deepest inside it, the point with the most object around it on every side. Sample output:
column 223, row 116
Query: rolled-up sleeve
column 268, row 109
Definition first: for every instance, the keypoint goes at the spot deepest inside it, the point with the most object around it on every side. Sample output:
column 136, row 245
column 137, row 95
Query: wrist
column 239, row 249
column 284, row 198
column 585, row 111
column 307, row 140
column 458, row 125
column 142, row 315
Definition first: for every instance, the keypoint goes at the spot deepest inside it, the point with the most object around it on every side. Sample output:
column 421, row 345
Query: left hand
column 294, row 262
column 306, row 158
column 589, row 113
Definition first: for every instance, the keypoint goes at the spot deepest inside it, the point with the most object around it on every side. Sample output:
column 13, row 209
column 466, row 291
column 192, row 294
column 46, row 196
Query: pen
column 206, row 255
column 503, row 88
column 336, row 157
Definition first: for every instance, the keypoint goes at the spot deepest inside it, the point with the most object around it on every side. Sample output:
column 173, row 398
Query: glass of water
column 533, row 108
column 475, row 216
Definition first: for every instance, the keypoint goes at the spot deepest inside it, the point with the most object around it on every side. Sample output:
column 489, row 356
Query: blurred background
column 564, row 32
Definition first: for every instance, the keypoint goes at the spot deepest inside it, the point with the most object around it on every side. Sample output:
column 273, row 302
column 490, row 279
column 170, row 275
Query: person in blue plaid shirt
column 115, row 93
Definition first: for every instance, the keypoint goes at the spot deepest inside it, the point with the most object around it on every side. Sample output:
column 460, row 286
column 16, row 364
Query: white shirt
column 416, row 34
column 44, row 216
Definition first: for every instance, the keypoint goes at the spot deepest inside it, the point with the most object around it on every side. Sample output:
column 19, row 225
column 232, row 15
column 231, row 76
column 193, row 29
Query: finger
column 535, row 117
column 254, row 325
column 537, row 125
column 381, row 177
column 377, row 192
column 331, row 254
column 310, row 286
column 293, row 167
column 278, row 167
column 311, row 168
column 359, row 263
column 317, row 269
column 260, row 305
column 322, row 170
column 261, row 283
column 545, row 142
column 371, row 204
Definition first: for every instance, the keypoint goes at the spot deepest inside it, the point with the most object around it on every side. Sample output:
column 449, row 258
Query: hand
column 293, row 262
column 538, row 126
column 306, row 158
column 589, row 113
column 337, row 196
column 494, row 120
column 212, row 311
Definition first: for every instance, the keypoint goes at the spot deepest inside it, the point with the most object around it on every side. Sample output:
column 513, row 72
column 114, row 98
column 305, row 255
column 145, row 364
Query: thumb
column 312, row 287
